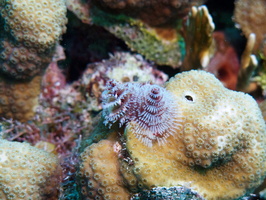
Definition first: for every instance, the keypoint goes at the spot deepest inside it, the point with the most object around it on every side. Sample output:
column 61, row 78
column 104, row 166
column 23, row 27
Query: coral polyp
column 146, row 108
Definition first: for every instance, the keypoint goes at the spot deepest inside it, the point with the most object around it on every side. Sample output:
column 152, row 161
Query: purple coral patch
column 151, row 108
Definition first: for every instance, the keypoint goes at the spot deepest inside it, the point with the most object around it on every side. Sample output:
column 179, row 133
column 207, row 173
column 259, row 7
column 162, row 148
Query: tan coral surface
column 36, row 23
column 219, row 152
column 30, row 30
column 19, row 100
column 100, row 172
column 250, row 17
column 27, row 172
column 21, row 63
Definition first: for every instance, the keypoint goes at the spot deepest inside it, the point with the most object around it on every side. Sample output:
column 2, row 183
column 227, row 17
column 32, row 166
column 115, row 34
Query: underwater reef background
column 132, row 99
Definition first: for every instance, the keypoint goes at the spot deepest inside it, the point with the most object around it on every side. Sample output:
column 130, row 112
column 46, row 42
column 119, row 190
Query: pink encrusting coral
column 149, row 107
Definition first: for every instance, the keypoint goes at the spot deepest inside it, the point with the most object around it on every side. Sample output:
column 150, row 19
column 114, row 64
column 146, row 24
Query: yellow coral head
column 219, row 150
column 150, row 109
column 218, row 121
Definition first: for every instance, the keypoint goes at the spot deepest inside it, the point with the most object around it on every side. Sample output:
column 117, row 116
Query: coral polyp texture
column 146, row 41
column 20, row 62
column 27, row 172
column 139, row 36
column 80, row 8
column 31, row 30
column 18, row 100
column 102, row 178
column 151, row 28
column 249, row 17
column 217, row 148
column 152, row 12
column 150, row 107
column 126, row 67
column 35, row 23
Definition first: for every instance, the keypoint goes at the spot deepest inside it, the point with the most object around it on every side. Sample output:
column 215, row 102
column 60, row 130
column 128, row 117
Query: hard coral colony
column 93, row 137
column 209, row 138
column 27, row 172
column 29, row 33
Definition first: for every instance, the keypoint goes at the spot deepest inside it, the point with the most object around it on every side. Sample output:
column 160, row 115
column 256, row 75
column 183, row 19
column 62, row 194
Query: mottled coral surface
column 27, row 172
column 250, row 17
column 128, row 138
column 30, row 32
column 219, row 151
column 153, row 12
column 18, row 100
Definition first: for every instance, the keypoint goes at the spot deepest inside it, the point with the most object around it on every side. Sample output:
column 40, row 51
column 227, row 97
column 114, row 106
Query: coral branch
column 247, row 65
column 197, row 32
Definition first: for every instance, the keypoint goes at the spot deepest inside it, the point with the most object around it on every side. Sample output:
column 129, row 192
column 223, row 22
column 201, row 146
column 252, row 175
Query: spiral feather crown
column 150, row 108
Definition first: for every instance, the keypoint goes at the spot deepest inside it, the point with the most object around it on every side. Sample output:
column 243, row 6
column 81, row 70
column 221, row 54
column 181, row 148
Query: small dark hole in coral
column 135, row 78
column 189, row 98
